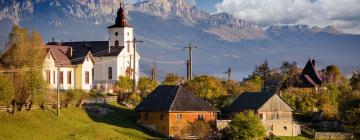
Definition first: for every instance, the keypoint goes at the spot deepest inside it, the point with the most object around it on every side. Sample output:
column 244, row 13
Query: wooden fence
column 333, row 136
column 91, row 100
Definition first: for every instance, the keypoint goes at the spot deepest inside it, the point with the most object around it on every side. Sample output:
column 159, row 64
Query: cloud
column 344, row 14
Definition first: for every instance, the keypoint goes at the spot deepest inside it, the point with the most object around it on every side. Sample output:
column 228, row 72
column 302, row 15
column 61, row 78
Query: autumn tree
column 146, row 85
column 244, row 126
column 288, row 74
column 172, row 79
column 123, row 86
column 252, row 84
column 355, row 82
column 263, row 71
column 232, row 87
column 333, row 73
column 207, row 87
column 23, row 58
column 6, row 90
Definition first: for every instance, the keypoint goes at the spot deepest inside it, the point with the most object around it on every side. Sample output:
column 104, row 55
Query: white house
column 68, row 69
column 114, row 57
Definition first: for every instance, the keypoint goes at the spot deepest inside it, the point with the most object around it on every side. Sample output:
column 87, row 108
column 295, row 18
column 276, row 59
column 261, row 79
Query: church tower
column 121, row 34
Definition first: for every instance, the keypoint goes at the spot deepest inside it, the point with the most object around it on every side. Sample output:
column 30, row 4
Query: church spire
column 120, row 20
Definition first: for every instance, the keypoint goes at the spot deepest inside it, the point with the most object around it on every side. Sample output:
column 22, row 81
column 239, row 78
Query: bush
column 134, row 99
column 6, row 90
column 200, row 129
column 244, row 126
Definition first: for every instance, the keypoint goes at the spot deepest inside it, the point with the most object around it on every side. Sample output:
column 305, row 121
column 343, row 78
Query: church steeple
column 120, row 20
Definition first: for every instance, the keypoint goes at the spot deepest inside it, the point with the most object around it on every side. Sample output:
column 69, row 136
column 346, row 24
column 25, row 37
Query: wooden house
column 169, row 109
column 274, row 113
column 310, row 79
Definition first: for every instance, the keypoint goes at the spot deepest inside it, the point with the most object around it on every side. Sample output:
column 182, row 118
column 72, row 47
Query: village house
column 274, row 113
column 114, row 57
column 310, row 79
column 169, row 109
column 67, row 68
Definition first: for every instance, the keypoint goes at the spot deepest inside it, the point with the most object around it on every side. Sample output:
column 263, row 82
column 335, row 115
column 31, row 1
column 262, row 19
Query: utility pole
column 189, row 62
column 58, row 93
column 228, row 72
column 153, row 72
column 134, row 41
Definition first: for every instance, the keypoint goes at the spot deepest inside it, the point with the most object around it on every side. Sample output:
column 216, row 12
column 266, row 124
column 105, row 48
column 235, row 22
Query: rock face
column 168, row 25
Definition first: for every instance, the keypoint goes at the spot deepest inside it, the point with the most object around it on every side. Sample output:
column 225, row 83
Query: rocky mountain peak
column 302, row 29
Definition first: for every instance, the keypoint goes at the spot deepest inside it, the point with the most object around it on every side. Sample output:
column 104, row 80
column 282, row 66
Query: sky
column 343, row 14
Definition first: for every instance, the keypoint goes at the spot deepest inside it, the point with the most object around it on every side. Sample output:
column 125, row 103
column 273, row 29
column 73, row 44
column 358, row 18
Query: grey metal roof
column 167, row 98
column 97, row 48
column 250, row 101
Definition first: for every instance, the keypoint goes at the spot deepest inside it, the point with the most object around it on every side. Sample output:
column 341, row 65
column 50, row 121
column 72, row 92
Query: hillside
column 74, row 123
column 166, row 26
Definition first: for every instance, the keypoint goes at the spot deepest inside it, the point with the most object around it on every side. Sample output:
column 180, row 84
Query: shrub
column 244, row 126
column 6, row 90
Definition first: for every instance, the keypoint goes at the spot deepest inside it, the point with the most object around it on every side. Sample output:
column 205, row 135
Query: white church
column 111, row 59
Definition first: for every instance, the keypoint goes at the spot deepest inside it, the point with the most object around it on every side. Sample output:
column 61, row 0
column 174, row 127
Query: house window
column 47, row 76
column 87, row 58
column 48, row 57
column 201, row 117
column 110, row 73
column 275, row 116
column 116, row 33
column 285, row 128
column 61, row 77
column 128, row 47
column 87, row 78
column 261, row 116
column 146, row 117
column 178, row 116
column 54, row 77
column 69, row 77
column 162, row 116
column 92, row 73
column 116, row 43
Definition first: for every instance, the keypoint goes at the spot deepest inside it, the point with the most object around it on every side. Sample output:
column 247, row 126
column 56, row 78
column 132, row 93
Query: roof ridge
column 176, row 95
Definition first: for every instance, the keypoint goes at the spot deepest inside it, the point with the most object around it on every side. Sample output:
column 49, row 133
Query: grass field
column 73, row 123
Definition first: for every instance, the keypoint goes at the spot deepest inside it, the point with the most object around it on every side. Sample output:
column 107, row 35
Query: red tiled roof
column 60, row 54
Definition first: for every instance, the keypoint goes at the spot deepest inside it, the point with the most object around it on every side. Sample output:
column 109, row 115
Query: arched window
column 116, row 43
column 110, row 73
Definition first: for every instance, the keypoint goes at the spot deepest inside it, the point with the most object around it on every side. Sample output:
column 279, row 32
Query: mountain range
column 166, row 26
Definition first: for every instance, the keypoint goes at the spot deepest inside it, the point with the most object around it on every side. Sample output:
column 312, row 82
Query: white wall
column 101, row 69
column 87, row 66
column 124, row 34
column 49, row 64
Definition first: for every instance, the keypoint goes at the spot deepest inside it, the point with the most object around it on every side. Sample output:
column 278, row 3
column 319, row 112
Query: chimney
column 109, row 47
column 70, row 52
column 313, row 62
